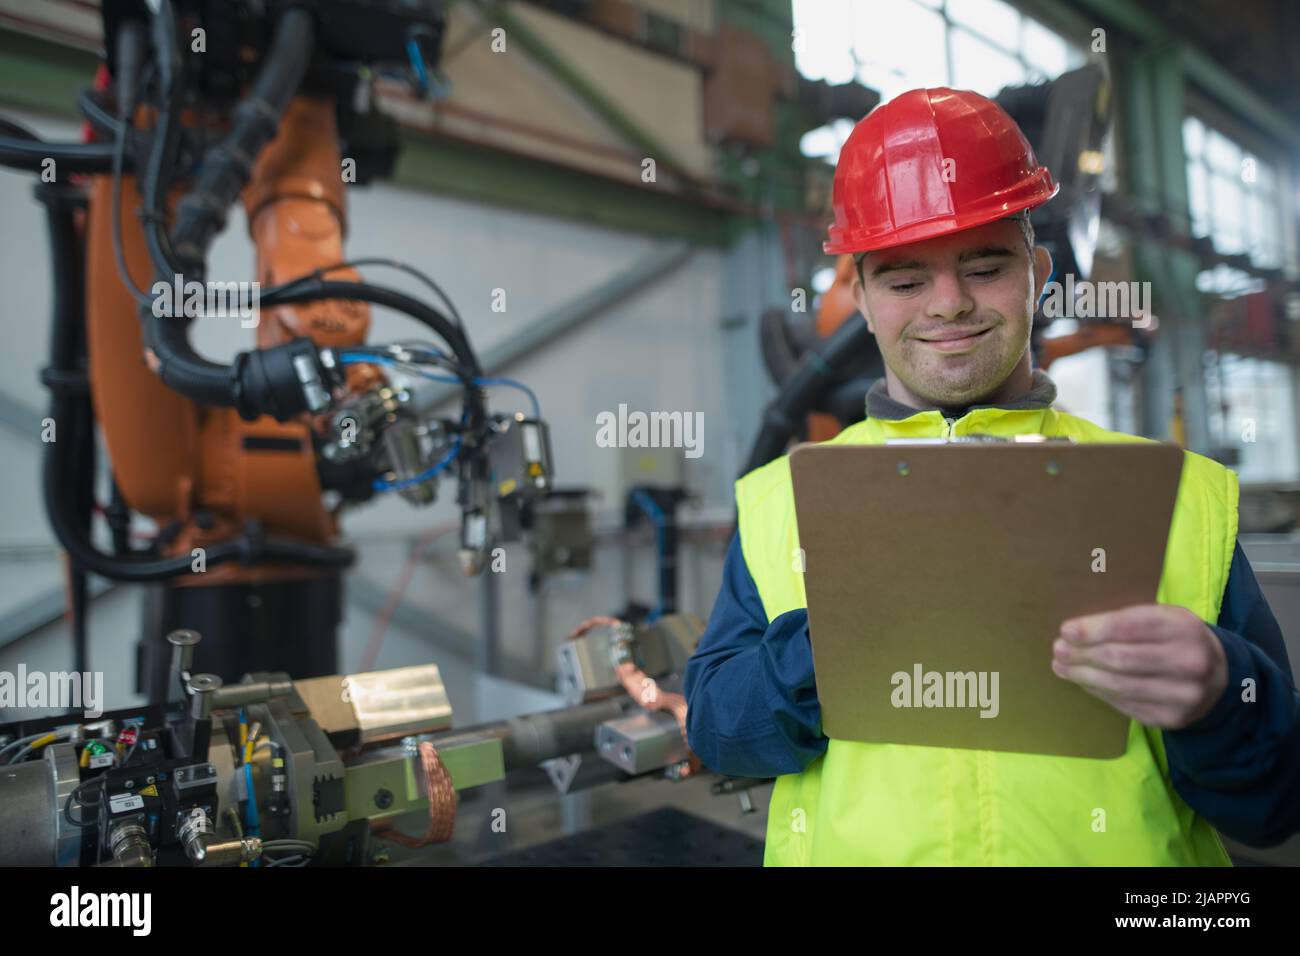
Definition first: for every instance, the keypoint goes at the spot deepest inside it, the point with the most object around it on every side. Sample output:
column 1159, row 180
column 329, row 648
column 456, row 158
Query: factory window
column 1237, row 201
column 1252, row 409
column 982, row 45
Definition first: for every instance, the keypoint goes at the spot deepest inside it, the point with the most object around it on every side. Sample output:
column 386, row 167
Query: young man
column 932, row 194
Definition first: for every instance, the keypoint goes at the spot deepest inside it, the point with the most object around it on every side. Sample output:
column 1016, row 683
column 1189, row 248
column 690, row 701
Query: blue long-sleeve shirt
column 753, row 709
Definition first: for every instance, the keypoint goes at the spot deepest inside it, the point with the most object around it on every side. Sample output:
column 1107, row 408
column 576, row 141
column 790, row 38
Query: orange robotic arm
column 203, row 467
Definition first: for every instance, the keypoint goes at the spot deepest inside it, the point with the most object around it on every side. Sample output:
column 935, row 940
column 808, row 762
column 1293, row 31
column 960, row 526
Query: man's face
column 952, row 315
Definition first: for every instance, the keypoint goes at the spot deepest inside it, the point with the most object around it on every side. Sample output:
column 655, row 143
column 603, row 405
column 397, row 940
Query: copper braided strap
column 642, row 689
column 646, row 692
column 591, row 623
column 442, row 805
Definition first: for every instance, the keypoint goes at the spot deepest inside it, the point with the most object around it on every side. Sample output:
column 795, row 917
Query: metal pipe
column 527, row 741
column 231, row 852
column 183, row 643
column 257, row 692
column 203, row 849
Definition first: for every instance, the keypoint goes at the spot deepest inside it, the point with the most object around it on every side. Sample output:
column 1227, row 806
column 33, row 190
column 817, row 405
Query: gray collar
column 1041, row 394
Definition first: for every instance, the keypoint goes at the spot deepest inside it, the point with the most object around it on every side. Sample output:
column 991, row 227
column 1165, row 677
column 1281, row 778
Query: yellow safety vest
column 893, row 804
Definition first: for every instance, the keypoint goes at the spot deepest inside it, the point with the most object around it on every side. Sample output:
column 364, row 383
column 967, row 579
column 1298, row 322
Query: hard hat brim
column 1041, row 188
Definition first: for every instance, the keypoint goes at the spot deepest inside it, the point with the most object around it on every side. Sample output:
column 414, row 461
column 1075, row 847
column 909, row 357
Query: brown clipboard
column 965, row 559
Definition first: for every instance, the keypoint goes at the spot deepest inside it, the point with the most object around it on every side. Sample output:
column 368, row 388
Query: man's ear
column 1042, row 270
column 860, row 297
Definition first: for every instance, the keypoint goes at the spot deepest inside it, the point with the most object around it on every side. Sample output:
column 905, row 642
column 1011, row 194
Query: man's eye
column 987, row 273
column 903, row 286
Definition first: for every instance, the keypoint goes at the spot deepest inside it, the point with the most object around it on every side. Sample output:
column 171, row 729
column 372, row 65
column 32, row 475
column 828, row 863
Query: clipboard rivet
column 1053, row 468
column 903, row 469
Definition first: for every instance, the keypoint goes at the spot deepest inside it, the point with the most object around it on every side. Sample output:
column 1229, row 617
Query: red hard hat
column 929, row 163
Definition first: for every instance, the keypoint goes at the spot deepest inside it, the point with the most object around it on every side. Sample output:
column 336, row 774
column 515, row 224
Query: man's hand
column 1157, row 663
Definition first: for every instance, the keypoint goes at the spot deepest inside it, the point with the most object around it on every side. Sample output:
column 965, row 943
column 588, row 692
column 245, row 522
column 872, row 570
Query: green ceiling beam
column 42, row 76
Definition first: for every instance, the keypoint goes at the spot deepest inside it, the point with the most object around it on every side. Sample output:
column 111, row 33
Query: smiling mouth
column 955, row 341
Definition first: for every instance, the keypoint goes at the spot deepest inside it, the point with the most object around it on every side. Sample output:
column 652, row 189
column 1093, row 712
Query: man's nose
column 948, row 297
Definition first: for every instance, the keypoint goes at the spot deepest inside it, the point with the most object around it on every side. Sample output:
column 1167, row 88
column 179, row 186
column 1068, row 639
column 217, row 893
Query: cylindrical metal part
column 27, row 819
column 232, row 852
column 527, row 741
column 204, row 688
column 192, row 834
column 258, row 692
column 203, row 849
column 557, row 733
column 130, row 845
column 64, row 776
column 182, row 643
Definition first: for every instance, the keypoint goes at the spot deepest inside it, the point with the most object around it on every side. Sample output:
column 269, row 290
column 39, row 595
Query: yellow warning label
column 149, row 791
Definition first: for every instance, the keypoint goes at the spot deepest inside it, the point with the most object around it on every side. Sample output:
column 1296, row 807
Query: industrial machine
column 281, row 772
column 246, row 467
